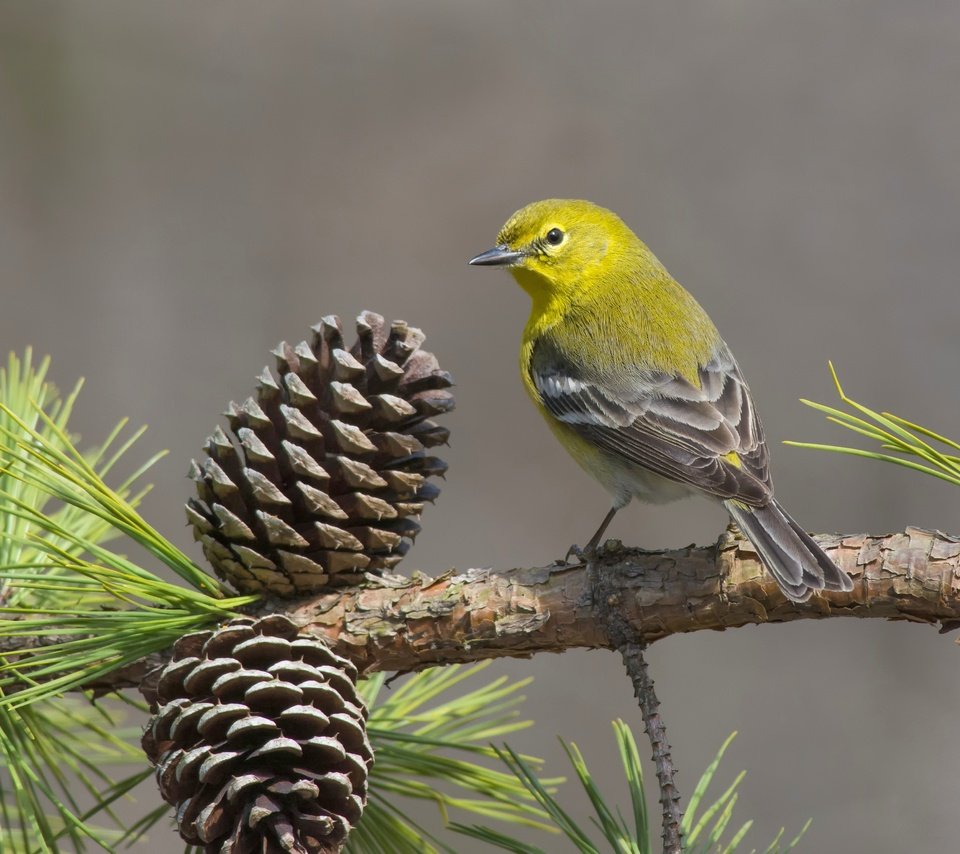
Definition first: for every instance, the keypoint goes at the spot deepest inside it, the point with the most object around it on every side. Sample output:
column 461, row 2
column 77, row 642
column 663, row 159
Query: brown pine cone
column 328, row 468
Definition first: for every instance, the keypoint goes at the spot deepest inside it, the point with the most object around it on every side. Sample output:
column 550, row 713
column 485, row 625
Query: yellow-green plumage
column 606, row 281
column 635, row 381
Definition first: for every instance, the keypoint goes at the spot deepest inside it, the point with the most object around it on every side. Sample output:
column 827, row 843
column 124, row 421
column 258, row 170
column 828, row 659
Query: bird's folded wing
column 707, row 436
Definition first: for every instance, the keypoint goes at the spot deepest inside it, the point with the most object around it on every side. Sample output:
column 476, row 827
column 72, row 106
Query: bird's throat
column 548, row 307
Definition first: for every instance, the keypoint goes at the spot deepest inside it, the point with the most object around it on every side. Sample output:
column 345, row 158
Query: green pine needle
column 52, row 757
column 94, row 609
column 892, row 433
column 432, row 746
column 702, row 832
column 82, row 609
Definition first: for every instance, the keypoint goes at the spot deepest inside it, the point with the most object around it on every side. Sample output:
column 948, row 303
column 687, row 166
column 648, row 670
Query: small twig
column 636, row 666
column 630, row 645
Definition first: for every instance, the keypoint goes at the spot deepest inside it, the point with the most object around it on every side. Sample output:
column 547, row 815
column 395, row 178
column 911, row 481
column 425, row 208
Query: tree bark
column 404, row 624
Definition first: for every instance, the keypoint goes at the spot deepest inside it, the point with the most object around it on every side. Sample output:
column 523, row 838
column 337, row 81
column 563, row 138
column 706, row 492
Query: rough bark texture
column 402, row 624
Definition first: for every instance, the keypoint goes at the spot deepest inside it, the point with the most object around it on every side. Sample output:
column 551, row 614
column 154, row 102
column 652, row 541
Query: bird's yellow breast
column 629, row 317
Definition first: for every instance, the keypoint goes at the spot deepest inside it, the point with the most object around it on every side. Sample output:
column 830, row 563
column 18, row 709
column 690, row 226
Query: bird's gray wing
column 706, row 436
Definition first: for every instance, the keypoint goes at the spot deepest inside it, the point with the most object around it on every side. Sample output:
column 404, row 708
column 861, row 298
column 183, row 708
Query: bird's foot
column 590, row 552
column 587, row 554
column 582, row 555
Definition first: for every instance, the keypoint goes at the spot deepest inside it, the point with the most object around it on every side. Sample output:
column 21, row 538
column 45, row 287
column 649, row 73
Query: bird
column 636, row 382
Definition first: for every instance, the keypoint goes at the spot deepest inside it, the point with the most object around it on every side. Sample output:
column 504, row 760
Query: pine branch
column 404, row 624
column 401, row 624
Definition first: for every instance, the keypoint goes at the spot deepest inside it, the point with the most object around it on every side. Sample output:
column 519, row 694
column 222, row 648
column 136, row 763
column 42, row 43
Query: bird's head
column 560, row 247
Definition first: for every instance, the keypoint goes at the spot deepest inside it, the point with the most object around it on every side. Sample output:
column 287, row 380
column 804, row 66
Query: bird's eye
column 554, row 237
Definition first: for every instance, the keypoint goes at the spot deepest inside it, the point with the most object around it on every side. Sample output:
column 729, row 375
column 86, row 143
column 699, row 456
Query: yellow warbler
column 637, row 384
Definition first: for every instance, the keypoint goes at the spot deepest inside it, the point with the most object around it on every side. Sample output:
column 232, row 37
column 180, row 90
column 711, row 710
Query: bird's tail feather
column 798, row 564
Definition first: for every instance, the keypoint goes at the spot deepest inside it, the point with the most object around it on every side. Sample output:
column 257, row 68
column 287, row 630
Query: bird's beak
column 499, row 256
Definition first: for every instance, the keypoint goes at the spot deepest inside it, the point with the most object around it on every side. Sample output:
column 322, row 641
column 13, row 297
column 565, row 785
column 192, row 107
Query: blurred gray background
column 183, row 184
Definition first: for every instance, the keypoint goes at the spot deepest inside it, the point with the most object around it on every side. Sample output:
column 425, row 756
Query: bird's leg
column 591, row 546
column 595, row 539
